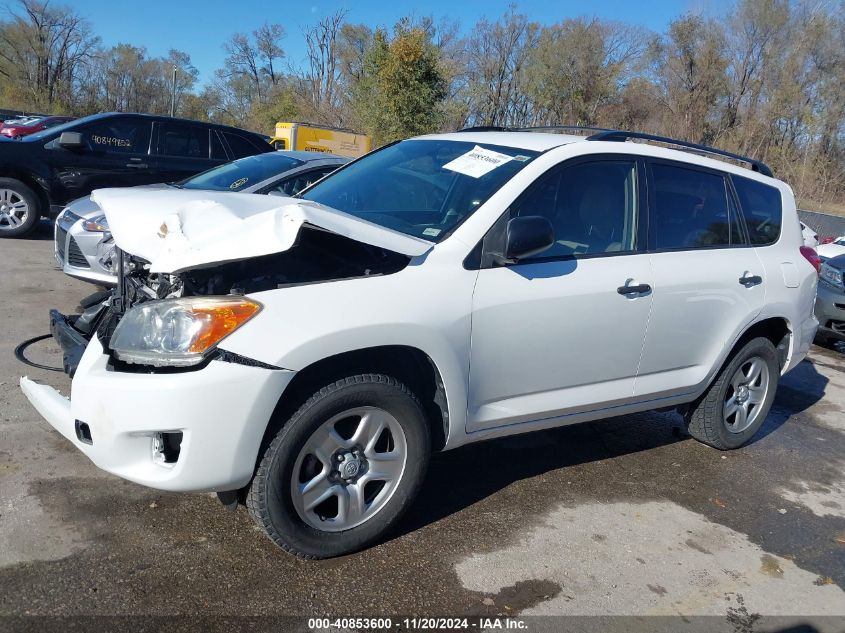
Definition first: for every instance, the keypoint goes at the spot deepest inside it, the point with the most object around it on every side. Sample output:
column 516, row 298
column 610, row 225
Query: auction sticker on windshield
column 477, row 162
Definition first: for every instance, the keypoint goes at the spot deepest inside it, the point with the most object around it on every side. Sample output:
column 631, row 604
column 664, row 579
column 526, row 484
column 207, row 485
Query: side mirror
column 71, row 140
column 526, row 236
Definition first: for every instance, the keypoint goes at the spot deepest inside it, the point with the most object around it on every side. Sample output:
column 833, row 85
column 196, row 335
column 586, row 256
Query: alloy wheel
column 348, row 469
column 746, row 394
column 14, row 210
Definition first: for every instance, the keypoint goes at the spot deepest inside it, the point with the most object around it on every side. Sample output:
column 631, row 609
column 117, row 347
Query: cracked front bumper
column 221, row 410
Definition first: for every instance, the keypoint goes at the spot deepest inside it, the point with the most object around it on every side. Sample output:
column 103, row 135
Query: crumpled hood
column 178, row 229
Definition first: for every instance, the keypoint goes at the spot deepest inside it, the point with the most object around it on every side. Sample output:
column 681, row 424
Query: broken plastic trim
column 230, row 357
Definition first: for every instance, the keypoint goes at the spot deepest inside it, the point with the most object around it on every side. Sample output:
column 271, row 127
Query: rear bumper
column 221, row 410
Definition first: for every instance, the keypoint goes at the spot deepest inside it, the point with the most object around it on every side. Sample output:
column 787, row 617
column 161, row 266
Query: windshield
column 242, row 173
column 58, row 129
column 424, row 188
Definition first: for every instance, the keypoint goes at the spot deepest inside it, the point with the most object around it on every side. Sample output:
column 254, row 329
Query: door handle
column 137, row 165
column 635, row 289
column 750, row 280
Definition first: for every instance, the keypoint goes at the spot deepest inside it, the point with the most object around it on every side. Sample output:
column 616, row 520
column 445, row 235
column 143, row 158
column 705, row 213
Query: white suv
column 305, row 356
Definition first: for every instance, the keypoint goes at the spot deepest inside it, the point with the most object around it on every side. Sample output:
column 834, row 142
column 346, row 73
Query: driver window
column 592, row 207
column 118, row 136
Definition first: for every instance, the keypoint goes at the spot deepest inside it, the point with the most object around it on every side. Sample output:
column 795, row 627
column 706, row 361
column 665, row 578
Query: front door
column 562, row 332
column 115, row 154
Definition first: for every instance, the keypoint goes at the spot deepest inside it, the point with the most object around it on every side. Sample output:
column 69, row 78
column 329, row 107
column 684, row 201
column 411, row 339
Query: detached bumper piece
column 72, row 342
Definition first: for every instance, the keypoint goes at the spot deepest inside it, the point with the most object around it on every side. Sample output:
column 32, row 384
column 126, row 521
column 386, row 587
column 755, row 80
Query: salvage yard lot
column 627, row 516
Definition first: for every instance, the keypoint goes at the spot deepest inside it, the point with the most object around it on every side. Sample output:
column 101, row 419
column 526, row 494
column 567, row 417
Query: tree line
column 765, row 80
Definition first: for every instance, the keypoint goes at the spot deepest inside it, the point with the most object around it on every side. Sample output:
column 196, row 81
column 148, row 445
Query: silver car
column 830, row 300
column 84, row 246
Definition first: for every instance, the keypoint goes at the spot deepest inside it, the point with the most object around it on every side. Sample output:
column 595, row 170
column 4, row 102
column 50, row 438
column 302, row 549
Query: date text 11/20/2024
column 418, row 624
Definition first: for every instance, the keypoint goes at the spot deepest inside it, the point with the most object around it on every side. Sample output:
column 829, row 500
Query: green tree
column 401, row 88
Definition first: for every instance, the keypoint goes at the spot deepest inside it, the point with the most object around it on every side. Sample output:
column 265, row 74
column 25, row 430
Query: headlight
column 69, row 217
column 832, row 275
column 96, row 225
column 179, row 332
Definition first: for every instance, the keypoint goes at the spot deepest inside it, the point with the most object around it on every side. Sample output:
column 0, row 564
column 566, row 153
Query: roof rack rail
column 485, row 128
column 563, row 128
column 618, row 135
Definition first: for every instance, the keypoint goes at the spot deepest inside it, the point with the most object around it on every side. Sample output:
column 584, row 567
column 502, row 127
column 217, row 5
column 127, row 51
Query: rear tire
column 343, row 469
column 20, row 208
column 736, row 404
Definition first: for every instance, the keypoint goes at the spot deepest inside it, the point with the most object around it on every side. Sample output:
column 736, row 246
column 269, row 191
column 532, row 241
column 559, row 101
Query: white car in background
column 832, row 249
column 306, row 355
column 811, row 238
column 84, row 247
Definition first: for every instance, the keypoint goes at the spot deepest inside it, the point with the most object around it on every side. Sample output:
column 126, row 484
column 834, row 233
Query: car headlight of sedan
column 98, row 224
column 68, row 217
column 179, row 332
column 832, row 275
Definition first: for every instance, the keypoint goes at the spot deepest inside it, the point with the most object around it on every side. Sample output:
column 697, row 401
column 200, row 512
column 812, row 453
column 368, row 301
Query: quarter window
column 592, row 207
column 118, row 136
column 761, row 207
column 691, row 209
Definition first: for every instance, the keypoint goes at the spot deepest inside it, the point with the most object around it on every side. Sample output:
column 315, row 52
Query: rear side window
column 118, row 136
column 691, row 209
column 761, row 207
column 239, row 145
column 184, row 141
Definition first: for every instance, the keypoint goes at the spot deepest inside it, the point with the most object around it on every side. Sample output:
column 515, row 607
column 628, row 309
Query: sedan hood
column 178, row 229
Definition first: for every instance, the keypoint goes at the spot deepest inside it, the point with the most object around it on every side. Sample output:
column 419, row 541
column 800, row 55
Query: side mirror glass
column 71, row 140
column 526, row 236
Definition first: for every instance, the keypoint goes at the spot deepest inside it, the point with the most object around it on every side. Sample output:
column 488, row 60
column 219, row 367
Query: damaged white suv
column 305, row 356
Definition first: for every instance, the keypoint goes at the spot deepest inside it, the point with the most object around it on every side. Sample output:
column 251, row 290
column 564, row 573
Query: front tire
column 342, row 470
column 735, row 406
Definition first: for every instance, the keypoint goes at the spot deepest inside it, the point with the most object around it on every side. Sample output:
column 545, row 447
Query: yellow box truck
column 314, row 138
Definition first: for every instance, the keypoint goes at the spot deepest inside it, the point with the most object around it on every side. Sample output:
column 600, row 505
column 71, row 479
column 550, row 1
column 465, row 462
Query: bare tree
column 42, row 48
column 496, row 59
column 323, row 74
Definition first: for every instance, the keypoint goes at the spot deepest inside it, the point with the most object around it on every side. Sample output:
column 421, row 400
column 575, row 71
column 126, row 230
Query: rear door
column 708, row 281
column 116, row 154
column 556, row 334
column 185, row 149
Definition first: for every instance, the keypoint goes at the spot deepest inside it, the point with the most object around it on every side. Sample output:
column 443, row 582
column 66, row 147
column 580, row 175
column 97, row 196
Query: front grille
column 61, row 238
column 75, row 256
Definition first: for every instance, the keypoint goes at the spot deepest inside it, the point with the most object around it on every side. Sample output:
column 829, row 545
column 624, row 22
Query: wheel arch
column 410, row 365
column 776, row 329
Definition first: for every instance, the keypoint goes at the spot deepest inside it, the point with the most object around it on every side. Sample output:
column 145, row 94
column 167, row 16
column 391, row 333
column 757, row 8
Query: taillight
column 811, row 256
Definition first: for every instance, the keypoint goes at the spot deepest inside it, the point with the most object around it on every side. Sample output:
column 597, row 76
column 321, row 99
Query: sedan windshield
column 424, row 188
column 242, row 173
